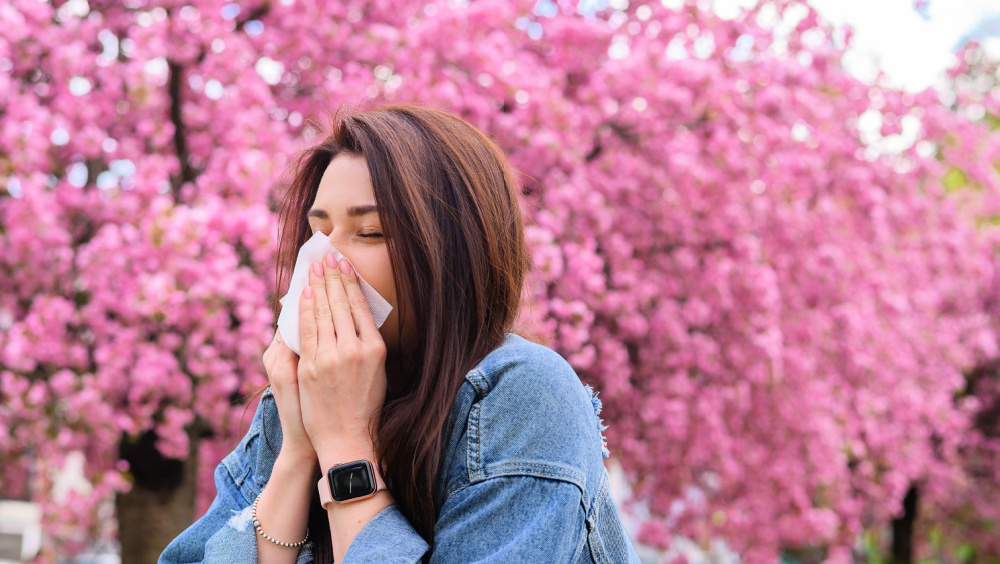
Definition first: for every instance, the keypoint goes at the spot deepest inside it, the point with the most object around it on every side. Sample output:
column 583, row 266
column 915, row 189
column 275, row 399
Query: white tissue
column 313, row 251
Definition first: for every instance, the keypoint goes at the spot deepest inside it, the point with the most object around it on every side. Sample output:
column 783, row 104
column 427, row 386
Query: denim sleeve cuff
column 388, row 538
column 236, row 542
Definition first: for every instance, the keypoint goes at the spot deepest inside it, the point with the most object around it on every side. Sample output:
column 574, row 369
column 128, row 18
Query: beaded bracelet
column 256, row 525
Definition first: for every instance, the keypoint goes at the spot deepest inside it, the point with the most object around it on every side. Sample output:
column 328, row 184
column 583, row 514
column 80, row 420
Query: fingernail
column 331, row 261
column 317, row 269
column 345, row 267
column 307, row 293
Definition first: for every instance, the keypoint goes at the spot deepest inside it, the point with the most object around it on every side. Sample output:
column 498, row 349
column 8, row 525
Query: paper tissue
column 313, row 251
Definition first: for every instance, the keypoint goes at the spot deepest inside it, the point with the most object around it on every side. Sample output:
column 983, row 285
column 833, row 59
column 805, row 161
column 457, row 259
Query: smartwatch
column 353, row 481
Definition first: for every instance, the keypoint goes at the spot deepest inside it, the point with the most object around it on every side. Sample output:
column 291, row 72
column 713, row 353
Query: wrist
column 373, row 504
column 345, row 451
column 291, row 465
column 296, row 453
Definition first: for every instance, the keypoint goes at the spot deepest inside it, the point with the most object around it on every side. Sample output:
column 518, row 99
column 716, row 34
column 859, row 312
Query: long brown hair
column 448, row 203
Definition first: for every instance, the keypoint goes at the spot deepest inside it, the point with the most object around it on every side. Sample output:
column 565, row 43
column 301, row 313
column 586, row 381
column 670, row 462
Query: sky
column 913, row 49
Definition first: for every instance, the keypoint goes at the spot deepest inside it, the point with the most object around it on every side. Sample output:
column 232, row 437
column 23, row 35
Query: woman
column 440, row 435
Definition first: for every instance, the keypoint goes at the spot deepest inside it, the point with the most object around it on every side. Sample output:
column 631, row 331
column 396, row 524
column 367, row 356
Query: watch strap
column 326, row 495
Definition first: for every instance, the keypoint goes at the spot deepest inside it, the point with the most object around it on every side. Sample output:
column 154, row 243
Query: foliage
column 967, row 524
column 778, row 313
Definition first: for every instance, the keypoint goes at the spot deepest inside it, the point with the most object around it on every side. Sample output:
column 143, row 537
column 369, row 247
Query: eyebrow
column 353, row 211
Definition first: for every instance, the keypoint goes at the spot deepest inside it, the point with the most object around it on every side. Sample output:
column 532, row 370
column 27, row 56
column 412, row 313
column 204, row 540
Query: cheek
column 378, row 273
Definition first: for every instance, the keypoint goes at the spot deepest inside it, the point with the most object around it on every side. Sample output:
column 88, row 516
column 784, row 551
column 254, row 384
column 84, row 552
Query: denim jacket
column 522, row 479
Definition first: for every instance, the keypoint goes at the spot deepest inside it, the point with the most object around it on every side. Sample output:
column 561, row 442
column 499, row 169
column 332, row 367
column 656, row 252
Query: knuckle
column 307, row 371
column 351, row 353
column 319, row 287
column 280, row 378
column 358, row 302
column 323, row 311
column 374, row 348
column 341, row 304
column 324, row 363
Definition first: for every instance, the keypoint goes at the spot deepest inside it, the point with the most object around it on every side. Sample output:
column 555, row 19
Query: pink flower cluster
column 777, row 300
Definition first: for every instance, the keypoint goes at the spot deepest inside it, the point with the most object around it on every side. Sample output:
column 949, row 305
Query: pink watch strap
column 326, row 496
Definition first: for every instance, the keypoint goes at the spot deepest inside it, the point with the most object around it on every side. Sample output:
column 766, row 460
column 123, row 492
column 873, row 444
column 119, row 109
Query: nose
column 338, row 242
column 335, row 238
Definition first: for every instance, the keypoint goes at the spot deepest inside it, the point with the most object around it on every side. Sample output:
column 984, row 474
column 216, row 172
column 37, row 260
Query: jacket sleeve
column 225, row 534
column 524, row 440
column 502, row 519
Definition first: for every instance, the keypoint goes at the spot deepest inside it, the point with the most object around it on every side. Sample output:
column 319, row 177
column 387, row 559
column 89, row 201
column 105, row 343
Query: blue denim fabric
column 522, row 480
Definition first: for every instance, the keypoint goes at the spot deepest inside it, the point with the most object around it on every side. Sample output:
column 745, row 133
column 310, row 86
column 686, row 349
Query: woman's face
column 344, row 210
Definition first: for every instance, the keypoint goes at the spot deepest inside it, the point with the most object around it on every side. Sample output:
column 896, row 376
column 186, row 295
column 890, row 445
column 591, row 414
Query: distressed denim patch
column 601, row 427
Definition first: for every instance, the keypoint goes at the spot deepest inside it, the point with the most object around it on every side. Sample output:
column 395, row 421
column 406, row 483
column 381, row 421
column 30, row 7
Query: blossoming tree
column 776, row 305
column 967, row 521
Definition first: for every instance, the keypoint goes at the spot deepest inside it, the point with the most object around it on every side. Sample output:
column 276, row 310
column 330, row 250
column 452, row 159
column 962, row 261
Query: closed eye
column 368, row 235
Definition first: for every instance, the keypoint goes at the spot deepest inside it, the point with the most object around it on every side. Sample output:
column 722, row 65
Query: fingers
column 271, row 353
column 333, row 309
column 307, row 323
column 321, row 305
column 282, row 365
column 270, row 359
column 343, row 321
column 361, row 313
column 285, row 356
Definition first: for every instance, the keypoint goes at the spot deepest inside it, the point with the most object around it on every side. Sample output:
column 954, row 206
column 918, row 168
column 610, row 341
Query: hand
column 282, row 366
column 341, row 372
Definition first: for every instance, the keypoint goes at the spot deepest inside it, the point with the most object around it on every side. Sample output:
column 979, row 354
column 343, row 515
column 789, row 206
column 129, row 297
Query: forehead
column 345, row 182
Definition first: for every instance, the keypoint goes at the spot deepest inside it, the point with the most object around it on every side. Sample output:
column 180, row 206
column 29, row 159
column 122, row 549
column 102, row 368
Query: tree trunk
column 160, row 504
column 902, row 529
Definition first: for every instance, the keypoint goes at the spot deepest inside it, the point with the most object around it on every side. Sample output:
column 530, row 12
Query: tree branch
column 180, row 141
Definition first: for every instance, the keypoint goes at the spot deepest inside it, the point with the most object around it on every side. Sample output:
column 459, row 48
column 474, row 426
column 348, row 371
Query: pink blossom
column 778, row 316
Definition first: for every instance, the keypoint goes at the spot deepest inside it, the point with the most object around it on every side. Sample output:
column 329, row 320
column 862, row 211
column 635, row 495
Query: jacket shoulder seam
column 539, row 471
column 530, row 469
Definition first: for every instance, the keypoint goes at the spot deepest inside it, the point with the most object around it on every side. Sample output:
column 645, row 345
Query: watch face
column 350, row 481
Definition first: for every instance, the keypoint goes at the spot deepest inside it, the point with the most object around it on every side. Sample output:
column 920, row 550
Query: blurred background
column 766, row 232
